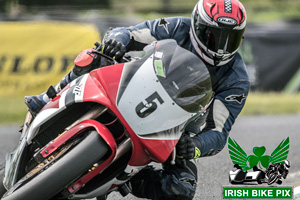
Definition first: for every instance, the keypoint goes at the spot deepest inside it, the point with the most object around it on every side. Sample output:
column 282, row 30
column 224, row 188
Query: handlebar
column 98, row 51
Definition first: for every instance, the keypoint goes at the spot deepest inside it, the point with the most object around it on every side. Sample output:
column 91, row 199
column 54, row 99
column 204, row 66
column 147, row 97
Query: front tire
column 73, row 164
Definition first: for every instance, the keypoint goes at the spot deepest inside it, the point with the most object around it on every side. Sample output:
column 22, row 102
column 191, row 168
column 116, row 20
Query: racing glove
column 114, row 49
column 188, row 147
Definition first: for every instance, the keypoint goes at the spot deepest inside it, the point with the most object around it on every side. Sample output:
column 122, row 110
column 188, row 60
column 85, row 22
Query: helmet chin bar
column 212, row 61
column 217, row 59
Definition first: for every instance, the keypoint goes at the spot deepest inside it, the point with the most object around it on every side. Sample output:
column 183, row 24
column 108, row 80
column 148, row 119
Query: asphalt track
column 248, row 131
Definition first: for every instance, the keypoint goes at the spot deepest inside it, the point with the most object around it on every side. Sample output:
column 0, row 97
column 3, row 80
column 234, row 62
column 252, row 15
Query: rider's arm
column 229, row 100
column 138, row 36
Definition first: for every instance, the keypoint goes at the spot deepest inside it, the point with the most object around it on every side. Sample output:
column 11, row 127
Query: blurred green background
column 258, row 11
column 12, row 109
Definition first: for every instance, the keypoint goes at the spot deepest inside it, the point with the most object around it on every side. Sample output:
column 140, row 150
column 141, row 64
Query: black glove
column 114, row 49
column 188, row 147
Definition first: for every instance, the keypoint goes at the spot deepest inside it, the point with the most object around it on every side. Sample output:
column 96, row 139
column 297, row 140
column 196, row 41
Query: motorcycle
column 276, row 172
column 107, row 125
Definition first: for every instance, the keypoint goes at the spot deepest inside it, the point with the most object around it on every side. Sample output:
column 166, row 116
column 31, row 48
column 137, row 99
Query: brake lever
column 98, row 50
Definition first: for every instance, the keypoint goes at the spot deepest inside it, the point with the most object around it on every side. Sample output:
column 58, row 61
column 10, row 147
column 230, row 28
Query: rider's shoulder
column 176, row 20
column 239, row 67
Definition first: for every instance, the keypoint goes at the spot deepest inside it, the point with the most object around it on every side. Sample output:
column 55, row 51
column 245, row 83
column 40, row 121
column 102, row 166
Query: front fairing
column 84, row 89
column 160, row 94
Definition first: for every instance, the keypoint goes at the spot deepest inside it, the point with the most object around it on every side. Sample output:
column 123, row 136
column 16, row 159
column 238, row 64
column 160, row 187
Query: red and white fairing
column 161, row 129
column 158, row 132
column 142, row 85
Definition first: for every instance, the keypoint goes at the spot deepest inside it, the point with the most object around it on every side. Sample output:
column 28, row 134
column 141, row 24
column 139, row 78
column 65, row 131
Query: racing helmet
column 217, row 29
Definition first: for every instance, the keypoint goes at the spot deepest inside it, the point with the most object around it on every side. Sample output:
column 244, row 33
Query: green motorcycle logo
column 238, row 155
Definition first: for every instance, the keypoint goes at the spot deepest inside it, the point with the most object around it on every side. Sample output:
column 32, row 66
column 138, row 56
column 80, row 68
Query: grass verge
column 271, row 104
column 13, row 110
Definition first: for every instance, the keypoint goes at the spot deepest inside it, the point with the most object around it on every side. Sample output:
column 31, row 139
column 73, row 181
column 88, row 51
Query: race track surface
column 248, row 132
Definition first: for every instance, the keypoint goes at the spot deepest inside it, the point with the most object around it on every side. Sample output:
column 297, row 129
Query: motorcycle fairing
column 150, row 94
column 77, row 129
column 103, row 86
column 108, row 78
column 83, row 89
column 160, row 130
column 111, row 184
column 170, row 87
column 73, row 93
column 109, row 139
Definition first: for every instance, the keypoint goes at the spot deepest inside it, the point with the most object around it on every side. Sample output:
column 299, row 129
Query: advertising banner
column 35, row 55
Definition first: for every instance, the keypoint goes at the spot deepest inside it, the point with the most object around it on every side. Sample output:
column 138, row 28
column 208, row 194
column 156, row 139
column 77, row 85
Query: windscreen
column 183, row 75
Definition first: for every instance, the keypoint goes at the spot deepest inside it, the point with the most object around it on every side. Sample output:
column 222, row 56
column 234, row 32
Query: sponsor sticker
column 227, row 20
column 159, row 68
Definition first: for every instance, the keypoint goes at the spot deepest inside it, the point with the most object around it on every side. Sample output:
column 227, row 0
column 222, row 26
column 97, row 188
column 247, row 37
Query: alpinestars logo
column 163, row 22
column 236, row 97
column 192, row 182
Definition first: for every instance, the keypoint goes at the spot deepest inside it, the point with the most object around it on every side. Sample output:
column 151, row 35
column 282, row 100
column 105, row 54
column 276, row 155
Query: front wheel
column 69, row 167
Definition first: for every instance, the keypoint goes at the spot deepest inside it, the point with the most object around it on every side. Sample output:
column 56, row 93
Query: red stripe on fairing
column 80, row 127
column 109, row 78
column 159, row 150
column 102, row 86
column 108, row 138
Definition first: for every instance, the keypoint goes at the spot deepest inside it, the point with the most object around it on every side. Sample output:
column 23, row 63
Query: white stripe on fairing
column 62, row 99
column 220, row 115
column 41, row 118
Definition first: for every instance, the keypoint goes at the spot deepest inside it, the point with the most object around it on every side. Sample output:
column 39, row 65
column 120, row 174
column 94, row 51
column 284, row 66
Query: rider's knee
column 180, row 182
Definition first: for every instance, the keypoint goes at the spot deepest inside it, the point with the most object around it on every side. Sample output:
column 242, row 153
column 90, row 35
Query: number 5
column 143, row 110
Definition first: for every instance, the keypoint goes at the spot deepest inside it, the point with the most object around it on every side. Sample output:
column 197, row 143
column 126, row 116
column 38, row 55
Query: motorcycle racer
column 214, row 33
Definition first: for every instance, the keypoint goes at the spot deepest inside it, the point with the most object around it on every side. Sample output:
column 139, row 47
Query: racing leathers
column 230, row 85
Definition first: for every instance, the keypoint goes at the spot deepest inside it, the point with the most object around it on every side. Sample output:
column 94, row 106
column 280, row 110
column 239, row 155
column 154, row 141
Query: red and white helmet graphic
column 217, row 29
